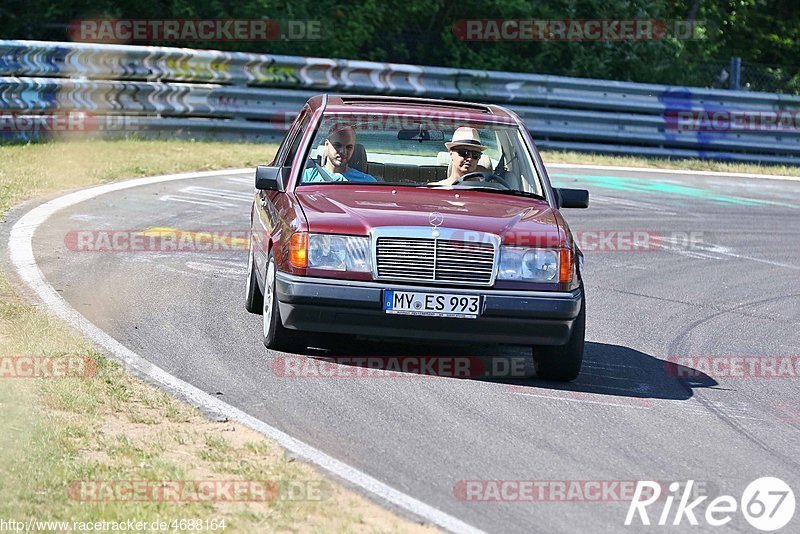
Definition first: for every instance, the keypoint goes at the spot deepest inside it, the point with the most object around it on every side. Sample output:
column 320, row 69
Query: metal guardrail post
column 734, row 80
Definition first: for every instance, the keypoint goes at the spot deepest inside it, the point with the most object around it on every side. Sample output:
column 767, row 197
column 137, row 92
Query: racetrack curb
column 22, row 258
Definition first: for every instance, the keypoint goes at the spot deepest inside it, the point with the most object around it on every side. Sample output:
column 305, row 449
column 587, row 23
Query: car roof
column 380, row 104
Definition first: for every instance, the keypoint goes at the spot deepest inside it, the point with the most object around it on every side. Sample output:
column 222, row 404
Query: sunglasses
column 466, row 153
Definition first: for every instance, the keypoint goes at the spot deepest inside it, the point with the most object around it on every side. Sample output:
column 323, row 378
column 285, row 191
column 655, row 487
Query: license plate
column 431, row 304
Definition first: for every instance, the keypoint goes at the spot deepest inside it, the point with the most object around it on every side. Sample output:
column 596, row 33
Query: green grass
column 33, row 169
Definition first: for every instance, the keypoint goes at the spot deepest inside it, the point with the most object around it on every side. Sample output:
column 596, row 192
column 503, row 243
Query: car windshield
column 411, row 151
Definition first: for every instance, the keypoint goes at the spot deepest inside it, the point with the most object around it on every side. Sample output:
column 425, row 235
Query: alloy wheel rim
column 250, row 269
column 268, row 296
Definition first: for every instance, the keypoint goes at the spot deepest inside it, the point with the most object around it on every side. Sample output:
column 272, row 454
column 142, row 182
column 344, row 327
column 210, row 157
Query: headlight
column 339, row 253
column 529, row 264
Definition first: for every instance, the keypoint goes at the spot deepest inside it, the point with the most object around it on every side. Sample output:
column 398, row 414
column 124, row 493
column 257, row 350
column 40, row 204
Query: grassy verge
column 685, row 164
column 110, row 427
column 30, row 170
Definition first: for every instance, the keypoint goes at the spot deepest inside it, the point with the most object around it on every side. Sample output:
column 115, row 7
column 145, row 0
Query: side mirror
column 270, row 178
column 572, row 198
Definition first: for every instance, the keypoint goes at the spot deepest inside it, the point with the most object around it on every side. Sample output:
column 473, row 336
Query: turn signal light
column 298, row 250
column 566, row 266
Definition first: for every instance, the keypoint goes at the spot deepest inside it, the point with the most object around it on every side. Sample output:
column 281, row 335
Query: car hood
column 355, row 210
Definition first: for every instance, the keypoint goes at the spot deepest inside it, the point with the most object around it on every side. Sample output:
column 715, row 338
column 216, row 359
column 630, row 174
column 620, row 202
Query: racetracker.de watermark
column 732, row 120
column 157, row 240
column 637, row 240
column 554, row 491
column 47, row 367
column 194, row 491
column 175, row 240
column 571, row 30
column 221, row 30
column 381, row 367
column 427, row 123
column 606, row 240
column 64, row 122
column 733, row 366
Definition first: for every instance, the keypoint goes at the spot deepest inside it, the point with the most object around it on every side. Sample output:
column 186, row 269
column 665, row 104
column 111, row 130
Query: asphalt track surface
column 722, row 283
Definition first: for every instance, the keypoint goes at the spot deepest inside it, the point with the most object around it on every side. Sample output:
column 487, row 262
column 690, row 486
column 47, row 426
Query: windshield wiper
column 513, row 192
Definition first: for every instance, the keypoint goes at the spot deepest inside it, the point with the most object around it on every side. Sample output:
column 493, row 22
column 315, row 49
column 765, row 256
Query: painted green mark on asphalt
column 668, row 188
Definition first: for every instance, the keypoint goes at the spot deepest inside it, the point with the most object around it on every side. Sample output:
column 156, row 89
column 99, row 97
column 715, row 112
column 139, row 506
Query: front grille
column 434, row 260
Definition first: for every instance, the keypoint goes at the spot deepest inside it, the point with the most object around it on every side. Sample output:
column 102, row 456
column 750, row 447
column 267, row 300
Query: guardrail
column 166, row 92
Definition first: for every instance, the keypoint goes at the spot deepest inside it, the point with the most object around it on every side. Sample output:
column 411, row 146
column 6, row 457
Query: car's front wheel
column 563, row 362
column 275, row 335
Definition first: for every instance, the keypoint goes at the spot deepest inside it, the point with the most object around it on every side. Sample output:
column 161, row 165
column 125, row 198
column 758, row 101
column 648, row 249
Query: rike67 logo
column 767, row 503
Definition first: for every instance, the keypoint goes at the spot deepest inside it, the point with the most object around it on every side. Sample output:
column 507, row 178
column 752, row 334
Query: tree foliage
column 764, row 33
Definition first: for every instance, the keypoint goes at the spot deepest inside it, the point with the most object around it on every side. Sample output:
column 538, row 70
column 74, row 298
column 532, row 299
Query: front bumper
column 354, row 307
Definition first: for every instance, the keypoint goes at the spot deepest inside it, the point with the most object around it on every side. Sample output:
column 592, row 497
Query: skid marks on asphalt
column 579, row 397
column 84, row 217
column 717, row 252
column 690, row 407
column 247, row 180
column 208, row 267
column 626, row 204
column 732, row 409
column 210, row 197
column 628, row 390
column 604, row 383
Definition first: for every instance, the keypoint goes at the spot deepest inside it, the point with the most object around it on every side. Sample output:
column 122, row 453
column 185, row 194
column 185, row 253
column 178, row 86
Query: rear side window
column 291, row 142
column 294, row 142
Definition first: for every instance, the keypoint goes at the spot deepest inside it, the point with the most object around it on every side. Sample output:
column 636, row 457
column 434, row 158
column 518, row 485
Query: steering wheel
column 484, row 176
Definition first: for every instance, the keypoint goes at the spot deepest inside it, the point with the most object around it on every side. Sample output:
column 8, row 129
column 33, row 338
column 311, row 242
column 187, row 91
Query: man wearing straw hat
column 465, row 151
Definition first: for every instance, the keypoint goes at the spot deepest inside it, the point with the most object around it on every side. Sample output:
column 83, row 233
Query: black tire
column 254, row 298
column 562, row 363
column 276, row 337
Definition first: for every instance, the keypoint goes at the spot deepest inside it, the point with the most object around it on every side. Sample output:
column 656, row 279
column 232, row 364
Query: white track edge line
column 22, row 257
column 715, row 174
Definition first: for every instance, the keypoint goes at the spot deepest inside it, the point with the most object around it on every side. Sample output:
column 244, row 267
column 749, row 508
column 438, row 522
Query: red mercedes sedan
column 416, row 218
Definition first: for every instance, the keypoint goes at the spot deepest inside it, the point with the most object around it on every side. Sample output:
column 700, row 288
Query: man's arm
column 320, row 174
column 311, row 175
column 354, row 175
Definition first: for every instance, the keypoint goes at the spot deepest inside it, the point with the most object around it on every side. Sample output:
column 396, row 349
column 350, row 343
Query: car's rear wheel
column 276, row 337
column 254, row 298
column 563, row 362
